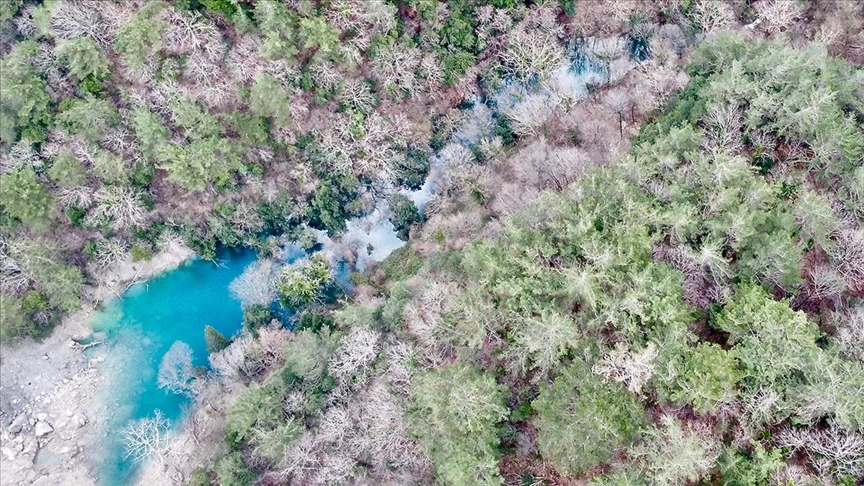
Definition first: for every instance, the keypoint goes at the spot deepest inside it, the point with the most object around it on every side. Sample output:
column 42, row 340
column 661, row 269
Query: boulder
column 17, row 424
column 80, row 420
column 42, row 429
column 8, row 453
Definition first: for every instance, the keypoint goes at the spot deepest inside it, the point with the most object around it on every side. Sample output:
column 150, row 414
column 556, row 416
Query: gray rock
column 42, row 429
column 30, row 446
column 17, row 424
column 8, row 453
column 80, row 420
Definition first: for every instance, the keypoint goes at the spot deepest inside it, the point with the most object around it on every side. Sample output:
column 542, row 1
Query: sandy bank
column 50, row 418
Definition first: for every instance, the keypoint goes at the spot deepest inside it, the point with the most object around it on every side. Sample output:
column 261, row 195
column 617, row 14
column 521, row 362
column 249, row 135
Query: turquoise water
column 142, row 326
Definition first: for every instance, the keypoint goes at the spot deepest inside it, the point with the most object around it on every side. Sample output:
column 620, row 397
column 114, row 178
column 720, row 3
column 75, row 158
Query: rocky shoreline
column 51, row 415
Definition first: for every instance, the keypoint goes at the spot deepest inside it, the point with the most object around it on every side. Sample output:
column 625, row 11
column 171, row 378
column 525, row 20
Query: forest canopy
column 633, row 250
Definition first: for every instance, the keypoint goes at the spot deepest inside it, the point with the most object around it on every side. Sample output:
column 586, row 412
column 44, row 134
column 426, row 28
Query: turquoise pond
column 142, row 326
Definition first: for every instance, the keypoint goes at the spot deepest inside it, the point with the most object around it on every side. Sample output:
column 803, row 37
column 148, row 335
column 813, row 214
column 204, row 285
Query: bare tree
column 109, row 252
column 21, row 154
column 69, row 20
column 352, row 360
column 825, row 282
column 710, row 15
column 176, row 373
column 257, row 284
column 400, row 356
column 357, row 95
column 532, row 54
column 679, row 453
column 396, row 66
column 189, row 31
column 117, row 205
column 424, row 318
column 325, row 75
column 14, row 277
column 848, row 257
column 850, row 333
column 630, row 367
column 528, row 116
column 244, row 62
column 831, row 449
column 147, row 437
column 778, row 15
column 268, row 350
column 725, row 122
column 430, row 71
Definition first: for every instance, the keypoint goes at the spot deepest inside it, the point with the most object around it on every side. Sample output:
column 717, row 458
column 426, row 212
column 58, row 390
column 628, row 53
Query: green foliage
column 307, row 355
column 699, row 216
column 313, row 321
column 401, row 263
column 193, row 118
column 23, row 99
column 211, row 161
column 833, row 391
column 278, row 26
column 455, row 65
column 40, row 261
column 67, row 171
column 225, row 7
column 150, row 132
column 316, row 33
column 706, row 378
column 582, row 420
column 568, row 7
column 411, row 171
column 141, row 252
column 141, row 36
column 24, row 197
column 9, row 8
column 774, row 345
column 754, row 468
column 305, row 283
column 251, row 130
column 393, row 308
column 812, row 101
column 404, row 215
column 817, row 219
column 201, row 477
column 232, row 470
column 83, row 58
column 256, row 408
column 330, row 205
column 274, row 443
column 13, row 320
column 90, row 118
column 215, row 340
column 456, row 409
column 30, row 316
column 256, row 316
column 268, row 98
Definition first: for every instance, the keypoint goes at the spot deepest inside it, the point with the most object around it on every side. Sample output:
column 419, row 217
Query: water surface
column 142, row 326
